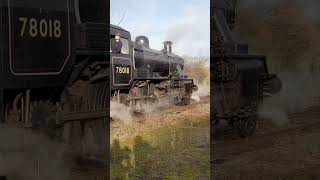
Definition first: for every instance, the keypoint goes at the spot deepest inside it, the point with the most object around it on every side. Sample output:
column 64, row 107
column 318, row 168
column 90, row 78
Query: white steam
column 26, row 155
column 121, row 112
column 203, row 91
column 126, row 114
column 299, row 92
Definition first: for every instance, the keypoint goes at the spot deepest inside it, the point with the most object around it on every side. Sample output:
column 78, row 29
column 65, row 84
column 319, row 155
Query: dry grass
column 150, row 122
column 167, row 144
column 198, row 70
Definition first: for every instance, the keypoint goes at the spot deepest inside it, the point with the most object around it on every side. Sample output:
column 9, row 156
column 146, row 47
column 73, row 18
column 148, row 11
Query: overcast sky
column 185, row 22
column 309, row 8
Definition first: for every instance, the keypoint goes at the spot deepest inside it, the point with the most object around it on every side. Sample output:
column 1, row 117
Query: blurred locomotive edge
column 54, row 75
column 241, row 81
column 142, row 75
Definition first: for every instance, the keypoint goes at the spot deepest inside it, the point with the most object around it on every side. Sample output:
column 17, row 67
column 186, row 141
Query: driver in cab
column 116, row 44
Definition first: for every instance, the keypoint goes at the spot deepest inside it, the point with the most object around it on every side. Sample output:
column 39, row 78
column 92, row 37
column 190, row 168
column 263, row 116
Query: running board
column 138, row 98
column 84, row 115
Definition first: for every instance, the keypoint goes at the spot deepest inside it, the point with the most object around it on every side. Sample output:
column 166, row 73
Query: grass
column 179, row 152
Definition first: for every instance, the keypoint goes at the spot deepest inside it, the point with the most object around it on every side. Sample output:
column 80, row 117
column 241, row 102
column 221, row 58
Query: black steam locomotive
column 140, row 74
column 240, row 81
column 54, row 72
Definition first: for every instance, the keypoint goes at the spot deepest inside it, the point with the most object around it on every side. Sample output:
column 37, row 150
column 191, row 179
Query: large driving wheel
column 87, row 137
column 246, row 127
column 245, row 121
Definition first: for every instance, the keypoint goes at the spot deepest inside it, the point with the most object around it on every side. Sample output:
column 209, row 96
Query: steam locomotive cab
column 121, row 63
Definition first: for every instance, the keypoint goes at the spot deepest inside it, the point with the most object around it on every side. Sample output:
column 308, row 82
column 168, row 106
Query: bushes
column 198, row 69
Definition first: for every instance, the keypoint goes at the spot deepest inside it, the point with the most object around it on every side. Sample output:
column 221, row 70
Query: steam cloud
column 25, row 155
column 121, row 112
column 285, row 31
column 126, row 114
column 203, row 91
column 299, row 92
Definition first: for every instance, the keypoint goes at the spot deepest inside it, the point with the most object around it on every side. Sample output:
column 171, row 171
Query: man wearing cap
column 116, row 44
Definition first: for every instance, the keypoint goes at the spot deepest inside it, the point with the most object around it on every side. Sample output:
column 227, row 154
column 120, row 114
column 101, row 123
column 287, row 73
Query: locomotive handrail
column 86, row 52
column 77, row 11
column 160, row 78
column 241, row 56
column 246, row 57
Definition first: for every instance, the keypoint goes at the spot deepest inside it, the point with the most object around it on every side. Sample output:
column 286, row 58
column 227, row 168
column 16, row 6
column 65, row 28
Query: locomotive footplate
column 82, row 115
column 142, row 97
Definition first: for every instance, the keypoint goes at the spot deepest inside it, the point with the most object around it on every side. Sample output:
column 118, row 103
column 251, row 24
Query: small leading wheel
column 213, row 127
column 246, row 126
column 187, row 99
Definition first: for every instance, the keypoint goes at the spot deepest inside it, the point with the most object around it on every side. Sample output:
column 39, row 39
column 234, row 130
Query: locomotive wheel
column 42, row 117
column 245, row 121
column 187, row 99
column 181, row 101
column 87, row 138
column 246, row 127
column 71, row 131
column 213, row 127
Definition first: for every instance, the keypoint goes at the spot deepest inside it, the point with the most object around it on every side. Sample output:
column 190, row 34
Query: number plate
column 122, row 68
column 39, row 36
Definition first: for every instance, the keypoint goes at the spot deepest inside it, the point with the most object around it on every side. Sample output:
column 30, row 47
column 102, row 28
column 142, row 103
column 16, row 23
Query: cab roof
column 117, row 28
column 114, row 29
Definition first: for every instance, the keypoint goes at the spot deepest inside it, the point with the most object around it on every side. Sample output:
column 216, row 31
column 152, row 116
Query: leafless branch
column 123, row 15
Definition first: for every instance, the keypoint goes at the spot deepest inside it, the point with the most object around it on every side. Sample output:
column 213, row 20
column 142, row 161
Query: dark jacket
column 116, row 46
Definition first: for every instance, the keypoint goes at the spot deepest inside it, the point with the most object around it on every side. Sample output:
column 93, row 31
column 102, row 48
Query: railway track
column 89, row 173
column 297, row 123
column 300, row 123
column 278, row 151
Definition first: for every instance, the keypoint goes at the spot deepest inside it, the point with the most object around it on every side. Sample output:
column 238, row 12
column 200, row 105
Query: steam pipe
column 77, row 11
column 15, row 102
column 27, row 109
column 222, row 25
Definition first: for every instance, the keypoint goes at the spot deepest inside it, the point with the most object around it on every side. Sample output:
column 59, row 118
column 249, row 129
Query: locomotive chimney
column 167, row 45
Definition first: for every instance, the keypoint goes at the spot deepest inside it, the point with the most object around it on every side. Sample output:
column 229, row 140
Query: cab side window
column 125, row 45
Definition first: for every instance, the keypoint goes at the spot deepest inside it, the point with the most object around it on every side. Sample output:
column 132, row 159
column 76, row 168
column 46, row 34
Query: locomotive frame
column 241, row 81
